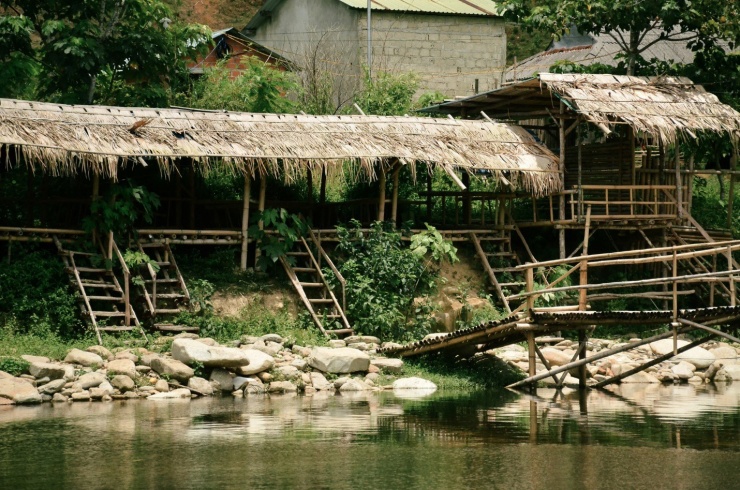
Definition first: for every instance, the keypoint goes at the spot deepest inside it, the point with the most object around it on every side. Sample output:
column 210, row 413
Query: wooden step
column 169, row 327
column 305, row 269
column 70, row 270
column 99, row 284
column 341, row 331
column 151, row 245
column 312, row 284
column 297, row 254
column 167, row 311
column 170, row 296
column 162, row 281
column 109, row 314
column 115, row 329
column 84, row 254
column 105, row 298
column 321, row 300
column 164, row 263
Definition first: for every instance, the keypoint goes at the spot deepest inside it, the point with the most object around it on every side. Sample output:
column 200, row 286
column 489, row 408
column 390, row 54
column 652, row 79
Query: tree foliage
column 86, row 51
column 699, row 23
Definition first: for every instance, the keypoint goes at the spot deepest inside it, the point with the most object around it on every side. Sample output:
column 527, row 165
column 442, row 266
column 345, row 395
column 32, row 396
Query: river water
column 634, row 436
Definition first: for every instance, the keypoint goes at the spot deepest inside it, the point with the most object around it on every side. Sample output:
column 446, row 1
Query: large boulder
column 394, row 366
column 19, row 391
column 191, row 351
column 101, row 351
column 698, row 356
column 282, row 387
column 258, row 362
column 683, row 370
column 178, row 393
column 200, row 385
column 665, row 346
column 725, row 354
column 224, row 379
column 342, row 360
column 51, row 370
column 122, row 366
column 320, row 382
column 77, row 356
column 413, row 384
column 123, row 383
column 354, row 385
column 641, row 377
column 90, row 380
column 554, row 356
column 173, row 368
column 54, row 386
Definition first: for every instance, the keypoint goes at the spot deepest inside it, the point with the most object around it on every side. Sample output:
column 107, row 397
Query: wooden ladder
column 164, row 292
column 312, row 287
column 103, row 302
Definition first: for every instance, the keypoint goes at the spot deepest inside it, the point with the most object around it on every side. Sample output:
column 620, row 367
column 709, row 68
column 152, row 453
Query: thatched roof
column 64, row 140
column 665, row 107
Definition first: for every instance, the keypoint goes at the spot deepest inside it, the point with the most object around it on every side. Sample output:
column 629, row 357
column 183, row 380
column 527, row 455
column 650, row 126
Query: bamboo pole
column 561, row 197
column 731, row 199
column 599, row 355
column 381, row 195
column 95, row 197
column 579, row 138
column 679, row 187
column 732, row 277
column 583, row 293
column 714, row 331
column 245, row 220
column 261, row 208
column 394, row 196
column 651, row 363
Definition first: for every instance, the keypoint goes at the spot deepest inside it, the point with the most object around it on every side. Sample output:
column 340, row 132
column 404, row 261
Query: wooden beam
column 561, row 167
column 394, row 196
column 245, row 220
column 381, row 195
column 714, row 331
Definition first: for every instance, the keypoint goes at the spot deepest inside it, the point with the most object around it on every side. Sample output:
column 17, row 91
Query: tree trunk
column 91, row 89
column 633, row 51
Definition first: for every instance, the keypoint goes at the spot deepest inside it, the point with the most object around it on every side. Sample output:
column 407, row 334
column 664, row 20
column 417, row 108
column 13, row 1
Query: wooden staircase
column 304, row 271
column 104, row 303
column 164, row 292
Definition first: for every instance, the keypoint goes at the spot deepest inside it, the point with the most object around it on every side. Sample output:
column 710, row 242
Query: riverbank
column 186, row 366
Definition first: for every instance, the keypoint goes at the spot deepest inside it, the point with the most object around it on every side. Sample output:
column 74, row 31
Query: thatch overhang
column 665, row 107
column 65, row 140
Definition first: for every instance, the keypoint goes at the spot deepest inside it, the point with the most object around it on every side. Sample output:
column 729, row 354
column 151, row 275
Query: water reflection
column 331, row 441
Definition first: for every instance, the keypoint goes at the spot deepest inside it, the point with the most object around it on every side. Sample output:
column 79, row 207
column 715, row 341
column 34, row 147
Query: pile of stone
column 719, row 362
column 250, row 366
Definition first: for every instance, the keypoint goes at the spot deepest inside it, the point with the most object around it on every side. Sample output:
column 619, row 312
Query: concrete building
column 457, row 47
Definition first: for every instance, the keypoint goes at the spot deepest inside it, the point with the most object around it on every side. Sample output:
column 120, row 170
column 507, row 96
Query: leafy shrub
column 13, row 365
column 288, row 228
column 384, row 278
column 120, row 208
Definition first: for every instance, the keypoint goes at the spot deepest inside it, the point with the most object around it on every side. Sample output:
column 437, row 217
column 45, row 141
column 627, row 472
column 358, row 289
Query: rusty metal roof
column 454, row 7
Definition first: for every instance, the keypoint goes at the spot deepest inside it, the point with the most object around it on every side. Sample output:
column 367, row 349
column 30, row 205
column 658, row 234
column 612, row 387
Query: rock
column 393, row 366
column 191, row 351
column 200, row 385
column 19, row 391
column 299, row 364
column 59, row 398
column 143, row 370
column 320, row 382
column 146, row 359
column 187, row 335
column 363, row 346
column 162, row 386
column 81, row 396
column 367, row 339
column 272, row 337
column 101, row 351
column 373, row 377
column 90, row 380
column 665, row 346
column 341, row 360
column 269, row 348
column 122, row 366
column 51, row 370
column 555, row 356
column 169, row 395
column 264, row 376
column 726, row 354
column 99, row 393
column 732, row 371
column 641, row 377
column 337, row 343
column 301, row 351
column 52, row 387
column 354, row 385
column 258, row 362
column 224, row 379
column 413, row 384
column 123, row 383
column 4, row 375
column 89, row 359
column 127, row 354
column 282, row 387
column 696, row 380
column 32, row 359
column 208, row 341
column 289, row 372
column 240, row 382
column 373, row 369
column 254, row 387
column 172, row 368
column 237, row 394
column 683, row 371
column 722, row 376
column 698, row 356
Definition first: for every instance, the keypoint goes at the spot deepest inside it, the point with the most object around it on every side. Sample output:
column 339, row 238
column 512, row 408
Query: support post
column 731, row 198
column 261, row 207
column 581, row 356
column 529, row 278
column 309, row 185
column 679, row 184
column 245, row 220
column 381, row 195
column 430, row 176
column 467, row 203
column 583, row 293
column 561, row 199
column 733, row 299
column 95, row 197
column 191, row 183
column 579, row 136
column 532, row 350
column 394, row 196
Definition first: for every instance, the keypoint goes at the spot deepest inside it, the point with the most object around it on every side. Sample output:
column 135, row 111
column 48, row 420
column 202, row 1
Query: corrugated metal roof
column 455, row 7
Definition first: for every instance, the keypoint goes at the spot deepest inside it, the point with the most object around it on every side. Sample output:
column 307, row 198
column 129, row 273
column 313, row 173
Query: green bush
column 385, row 278
column 13, row 365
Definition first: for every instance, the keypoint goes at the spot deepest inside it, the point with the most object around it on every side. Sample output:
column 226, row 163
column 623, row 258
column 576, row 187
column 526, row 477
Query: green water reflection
column 637, row 436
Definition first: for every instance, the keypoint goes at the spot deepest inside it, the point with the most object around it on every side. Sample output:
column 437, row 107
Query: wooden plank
column 487, row 267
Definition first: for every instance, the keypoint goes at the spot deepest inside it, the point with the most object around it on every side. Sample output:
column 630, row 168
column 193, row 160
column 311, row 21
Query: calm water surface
column 636, row 436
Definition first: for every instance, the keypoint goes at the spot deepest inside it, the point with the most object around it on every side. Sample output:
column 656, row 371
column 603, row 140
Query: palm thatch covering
column 665, row 107
column 64, row 140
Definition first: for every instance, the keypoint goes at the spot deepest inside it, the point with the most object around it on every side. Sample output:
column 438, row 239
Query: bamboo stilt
column 381, row 196
column 245, row 221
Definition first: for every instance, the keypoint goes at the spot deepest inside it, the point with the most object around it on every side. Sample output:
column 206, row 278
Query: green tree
column 76, row 44
column 260, row 88
column 388, row 94
column 699, row 23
